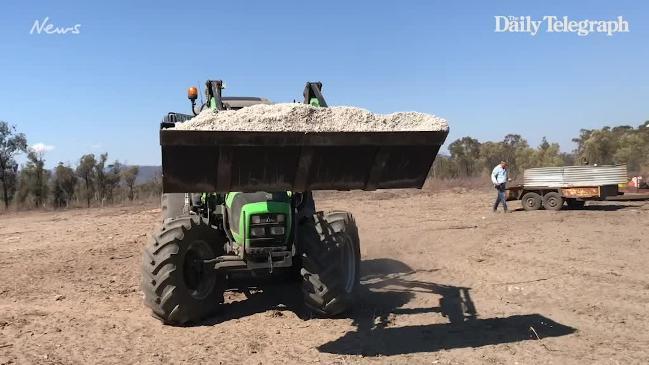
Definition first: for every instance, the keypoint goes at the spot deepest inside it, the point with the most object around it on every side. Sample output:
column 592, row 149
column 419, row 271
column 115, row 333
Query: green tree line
column 92, row 181
column 469, row 157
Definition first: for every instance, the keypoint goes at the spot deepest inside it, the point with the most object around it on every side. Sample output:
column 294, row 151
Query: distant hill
column 147, row 173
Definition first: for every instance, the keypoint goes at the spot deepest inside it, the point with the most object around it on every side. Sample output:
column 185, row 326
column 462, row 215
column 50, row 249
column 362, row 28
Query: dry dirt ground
column 444, row 281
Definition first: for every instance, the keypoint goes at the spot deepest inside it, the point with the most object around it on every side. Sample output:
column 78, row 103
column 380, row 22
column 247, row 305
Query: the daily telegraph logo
column 555, row 24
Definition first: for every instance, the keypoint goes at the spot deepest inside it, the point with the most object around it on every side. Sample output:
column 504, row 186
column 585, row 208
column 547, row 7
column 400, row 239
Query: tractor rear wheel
column 177, row 285
column 173, row 205
column 552, row 201
column 330, row 262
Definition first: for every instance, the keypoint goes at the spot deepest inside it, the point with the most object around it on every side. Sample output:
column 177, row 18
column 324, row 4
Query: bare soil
column 444, row 281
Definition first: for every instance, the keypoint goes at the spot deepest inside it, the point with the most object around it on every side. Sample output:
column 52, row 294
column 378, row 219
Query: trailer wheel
column 531, row 201
column 552, row 201
column 575, row 204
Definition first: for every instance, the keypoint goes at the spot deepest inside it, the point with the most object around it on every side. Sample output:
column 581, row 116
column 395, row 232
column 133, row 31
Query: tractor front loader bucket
column 222, row 161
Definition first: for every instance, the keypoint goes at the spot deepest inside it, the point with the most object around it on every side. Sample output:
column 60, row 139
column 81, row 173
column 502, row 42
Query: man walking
column 499, row 179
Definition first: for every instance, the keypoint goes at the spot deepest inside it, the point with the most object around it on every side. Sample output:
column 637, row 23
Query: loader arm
column 313, row 93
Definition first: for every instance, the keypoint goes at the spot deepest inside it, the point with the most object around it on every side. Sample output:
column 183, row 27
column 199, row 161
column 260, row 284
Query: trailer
column 552, row 187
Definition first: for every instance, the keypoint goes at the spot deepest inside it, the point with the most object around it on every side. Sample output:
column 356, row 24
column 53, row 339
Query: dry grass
column 432, row 185
column 453, row 184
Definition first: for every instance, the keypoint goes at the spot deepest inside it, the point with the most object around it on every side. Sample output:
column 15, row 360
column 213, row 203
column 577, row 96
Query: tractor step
column 231, row 265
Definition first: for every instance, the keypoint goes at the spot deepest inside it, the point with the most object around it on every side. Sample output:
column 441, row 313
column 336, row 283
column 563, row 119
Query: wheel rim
column 198, row 279
column 348, row 264
column 530, row 202
column 552, row 202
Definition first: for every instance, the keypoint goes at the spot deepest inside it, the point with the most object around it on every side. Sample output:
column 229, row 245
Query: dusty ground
column 445, row 281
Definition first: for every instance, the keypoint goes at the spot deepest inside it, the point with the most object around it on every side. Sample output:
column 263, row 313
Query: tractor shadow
column 249, row 296
column 387, row 287
column 588, row 208
column 603, row 207
column 283, row 293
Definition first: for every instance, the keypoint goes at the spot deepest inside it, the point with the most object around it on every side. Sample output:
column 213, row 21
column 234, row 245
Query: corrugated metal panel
column 543, row 176
column 569, row 176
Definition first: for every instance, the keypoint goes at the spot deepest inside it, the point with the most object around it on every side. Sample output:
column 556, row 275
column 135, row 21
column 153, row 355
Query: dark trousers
column 500, row 197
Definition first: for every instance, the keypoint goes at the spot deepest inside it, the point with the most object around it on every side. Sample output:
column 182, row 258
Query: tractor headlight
column 257, row 231
column 255, row 219
column 277, row 231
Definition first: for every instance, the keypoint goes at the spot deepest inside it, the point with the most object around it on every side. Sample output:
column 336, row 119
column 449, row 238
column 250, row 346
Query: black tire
column 173, row 205
column 177, row 286
column 552, row 201
column 575, row 204
column 531, row 201
column 330, row 262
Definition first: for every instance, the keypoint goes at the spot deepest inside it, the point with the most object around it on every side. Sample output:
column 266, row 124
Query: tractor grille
column 266, row 242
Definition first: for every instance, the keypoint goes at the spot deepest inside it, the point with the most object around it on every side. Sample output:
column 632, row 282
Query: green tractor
column 253, row 213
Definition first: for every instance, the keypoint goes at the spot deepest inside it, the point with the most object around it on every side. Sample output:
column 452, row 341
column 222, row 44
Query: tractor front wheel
column 178, row 286
column 173, row 205
column 330, row 262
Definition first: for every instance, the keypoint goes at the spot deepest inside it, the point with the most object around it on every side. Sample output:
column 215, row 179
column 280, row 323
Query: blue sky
column 107, row 88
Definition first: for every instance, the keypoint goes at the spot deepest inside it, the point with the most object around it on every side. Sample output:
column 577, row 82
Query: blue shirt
column 499, row 175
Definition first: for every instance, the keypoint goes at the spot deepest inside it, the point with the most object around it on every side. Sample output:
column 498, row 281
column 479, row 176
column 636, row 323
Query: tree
column 12, row 143
column 85, row 171
column 465, row 152
column 513, row 147
column 443, row 168
column 525, row 158
column 491, row 153
column 100, row 176
column 600, row 146
column 33, row 180
column 152, row 188
column 584, row 134
column 548, row 154
column 620, row 144
column 113, row 178
column 632, row 150
column 64, row 184
column 130, row 175
column 567, row 159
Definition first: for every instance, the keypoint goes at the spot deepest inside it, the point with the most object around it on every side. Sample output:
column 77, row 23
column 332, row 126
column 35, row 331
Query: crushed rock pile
column 296, row 117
